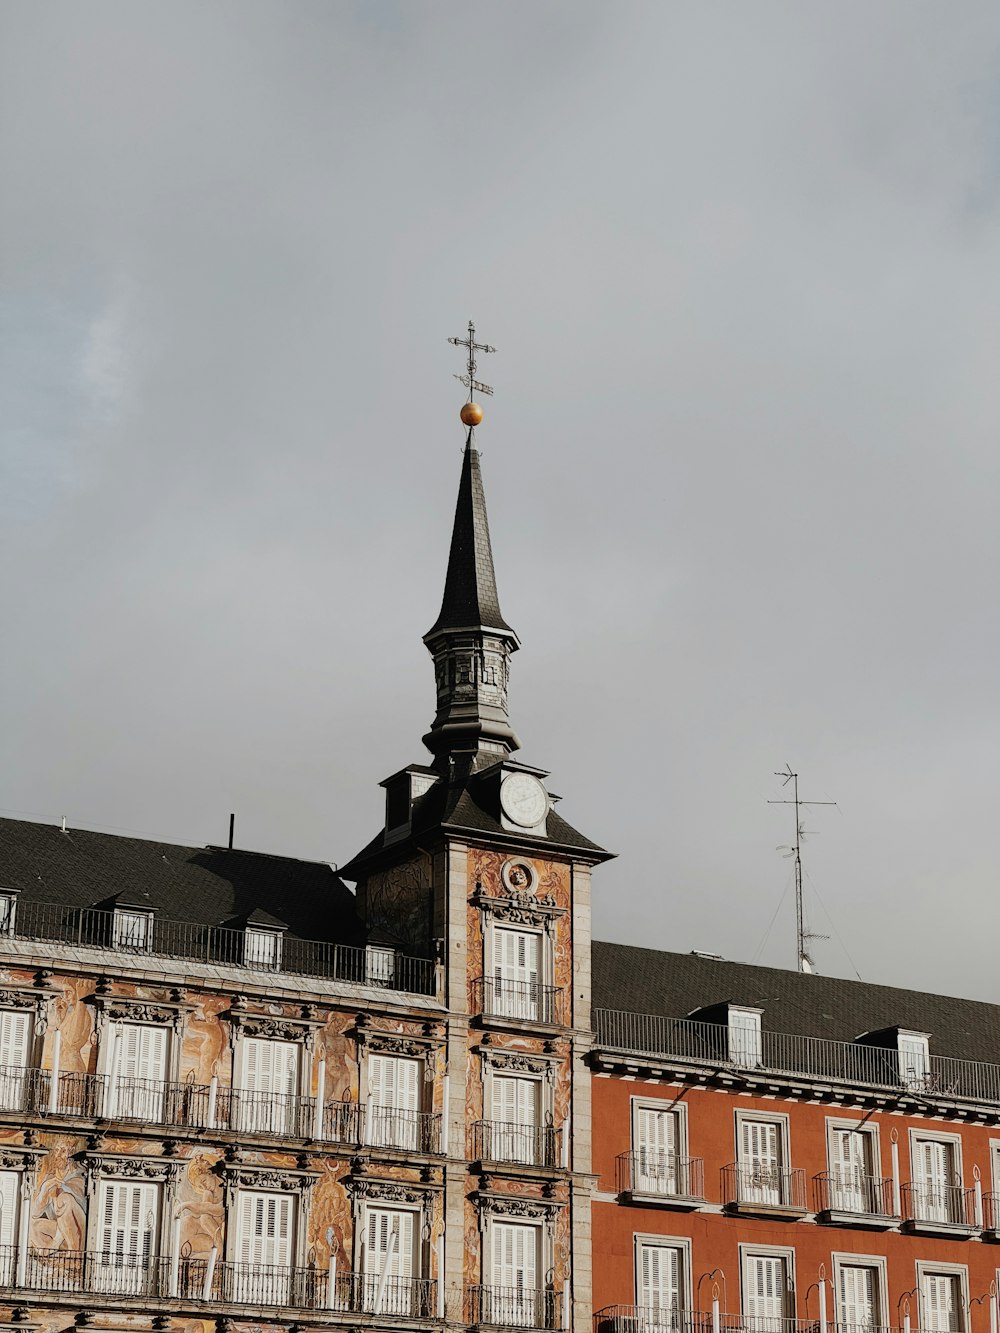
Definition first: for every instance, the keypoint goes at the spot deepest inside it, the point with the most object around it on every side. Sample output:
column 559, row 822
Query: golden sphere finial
column 471, row 414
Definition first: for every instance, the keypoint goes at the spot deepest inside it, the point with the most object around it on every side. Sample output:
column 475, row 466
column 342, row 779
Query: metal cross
column 473, row 347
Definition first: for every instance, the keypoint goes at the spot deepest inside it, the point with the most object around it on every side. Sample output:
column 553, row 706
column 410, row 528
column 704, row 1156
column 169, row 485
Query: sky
column 741, row 265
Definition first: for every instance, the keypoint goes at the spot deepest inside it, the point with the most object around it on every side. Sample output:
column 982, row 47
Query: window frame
column 8, row 917
column 367, row 1103
column 783, row 1121
column 919, row 1076
column 120, row 916
column 678, row 1110
column 870, row 1130
column 749, row 1250
column 926, row 1267
column 112, row 1077
column 753, row 1056
column 878, row 1262
column 253, row 936
column 681, row 1243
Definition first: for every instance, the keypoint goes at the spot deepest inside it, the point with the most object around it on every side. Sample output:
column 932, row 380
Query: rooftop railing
column 222, row 946
column 812, row 1058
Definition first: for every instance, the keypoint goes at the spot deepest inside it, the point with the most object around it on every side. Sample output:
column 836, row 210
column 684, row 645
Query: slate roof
column 470, row 588
column 209, row 886
column 649, row 981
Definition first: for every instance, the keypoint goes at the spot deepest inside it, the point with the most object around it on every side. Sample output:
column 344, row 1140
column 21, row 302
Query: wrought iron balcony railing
column 661, row 1174
column 514, row 1307
column 810, row 1058
column 524, row 1145
column 200, row 1106
column 520, row 1001
column 941, row 1205
column 667, row 1319
column 991, row 1212
column 756, row 1186
column 222, row 946
column 857, row 1194
column 112, row 1273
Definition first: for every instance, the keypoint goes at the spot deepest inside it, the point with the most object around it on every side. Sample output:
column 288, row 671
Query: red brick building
column 779, row 1151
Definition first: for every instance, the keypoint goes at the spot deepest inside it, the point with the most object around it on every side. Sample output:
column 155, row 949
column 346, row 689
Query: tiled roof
column 675, row 985
column 203, row 885
column 470, row 589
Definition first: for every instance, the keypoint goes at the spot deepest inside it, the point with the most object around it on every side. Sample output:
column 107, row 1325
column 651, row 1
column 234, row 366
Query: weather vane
column 472, row 413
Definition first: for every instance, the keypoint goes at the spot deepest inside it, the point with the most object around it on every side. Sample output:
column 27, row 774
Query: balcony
column 518, row 1145
column 111, row 1274
column 661, row 1178
column 643, row 1319
column 991, row 1217
column 208, row 1107
column 764, row 1190
column 513, row 1307
column 854, row 1200
column 220, row 946
column 517, row 1002
column 939, row 1210
column 687, row 1042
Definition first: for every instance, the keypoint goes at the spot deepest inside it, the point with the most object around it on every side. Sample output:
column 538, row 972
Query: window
column 766, row 1289
column 936, row 1190
column 390, row 1240
column 15, row 1043
column 657, row 1145
column 660, row 1282
column 10, row 1200
column 266, row 1100
column 136, row 1071
column 132, row 930
column 380, row 965
column 516, row 990
column 513, row 1297
column 8, row 908
column 914, row 1060
column 761, row 1170
column 858, row 1291
column 123, row 1242
column 942, row 1300
column 744, row 1037
column 392, row 1118
column 263, row 1248
column 854, row 1185
column 514, row 1127
column 261, row 948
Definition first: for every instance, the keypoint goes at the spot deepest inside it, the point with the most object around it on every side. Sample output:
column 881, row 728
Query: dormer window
column 261, row 948
column 744, row 1037
column 914, row 1059
column 132, row 929
column 8, row 908
column 380, row 965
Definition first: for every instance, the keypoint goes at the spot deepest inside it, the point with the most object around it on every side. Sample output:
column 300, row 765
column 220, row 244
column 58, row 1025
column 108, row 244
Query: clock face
column 524, row 799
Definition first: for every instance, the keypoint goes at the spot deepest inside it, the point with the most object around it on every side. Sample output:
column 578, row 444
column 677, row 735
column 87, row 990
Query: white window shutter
column 515, row 1256
column 128, row 1215
column 264, row 1229
column 942, row 1303
column 10, row 1197
column 15, row 1033
column 765, row 1287
column 379, row 1249
column 858, row 1296
column 659, row 1278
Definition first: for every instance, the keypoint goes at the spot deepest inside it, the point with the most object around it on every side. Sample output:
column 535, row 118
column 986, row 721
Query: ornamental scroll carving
column 268, row 1178
column 396, row 1043
column 509, row 1205
column 384, row 1191
column 131, row 1168
column 21, row 999
column 520, row 908
column 518, row 1061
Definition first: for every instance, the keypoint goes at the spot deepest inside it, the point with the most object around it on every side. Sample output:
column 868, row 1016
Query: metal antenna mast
column 803, row 960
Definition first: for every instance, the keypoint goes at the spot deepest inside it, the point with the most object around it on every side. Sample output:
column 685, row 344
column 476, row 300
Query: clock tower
column 475, row 867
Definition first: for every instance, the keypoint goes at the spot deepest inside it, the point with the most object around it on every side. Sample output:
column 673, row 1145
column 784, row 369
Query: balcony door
column 858, row 1298
column 850, row 1171
column 655, row 1150
column 943, row 1308
column 765, row 1292
column 124, row 1247
column 265, row 1235
column 760, row 1162
column 15, row 1037
column 514, row 1129
column 10, row 1199
column 517, row 974
column 934, row 1161
column 658, row 1280
column 267, row 1099
column 512, row 1297
column 387, row 1284
column 136, row 1072
column 393, row 1112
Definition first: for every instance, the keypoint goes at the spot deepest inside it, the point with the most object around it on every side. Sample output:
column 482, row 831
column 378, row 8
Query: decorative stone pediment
column 515, row 1205
column 122, row 1166
column 516, row 1061
column 400, row 1043
column 519, row 907
column 21, row 999
column 20, row 1159
column 386, row 1191
column 239, row 1176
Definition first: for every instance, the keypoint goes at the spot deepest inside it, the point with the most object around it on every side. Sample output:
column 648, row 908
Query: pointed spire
column 470, row 588
column 470, row 641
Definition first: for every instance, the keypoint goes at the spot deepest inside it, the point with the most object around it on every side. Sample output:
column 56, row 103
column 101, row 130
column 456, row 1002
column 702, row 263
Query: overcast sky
column 741, row 264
